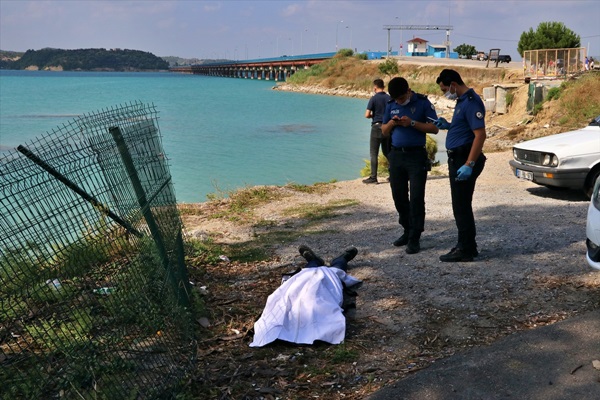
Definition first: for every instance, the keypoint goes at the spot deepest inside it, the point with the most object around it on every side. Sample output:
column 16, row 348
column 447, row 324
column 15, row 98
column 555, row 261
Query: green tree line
column 88, row 59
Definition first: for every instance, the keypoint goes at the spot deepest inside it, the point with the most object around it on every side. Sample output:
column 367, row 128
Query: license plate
column 524, row 175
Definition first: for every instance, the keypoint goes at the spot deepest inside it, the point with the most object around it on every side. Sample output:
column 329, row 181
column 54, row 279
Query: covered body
column 305, row 308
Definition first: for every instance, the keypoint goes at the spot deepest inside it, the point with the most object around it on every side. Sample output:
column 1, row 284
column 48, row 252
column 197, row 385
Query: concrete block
column 490, row 105
column 489, row 93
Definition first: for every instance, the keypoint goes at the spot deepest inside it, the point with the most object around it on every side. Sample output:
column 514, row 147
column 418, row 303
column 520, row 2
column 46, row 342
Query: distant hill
column 83, row 60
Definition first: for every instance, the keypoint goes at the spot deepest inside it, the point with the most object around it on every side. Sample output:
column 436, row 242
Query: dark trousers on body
column 408, row 175
column 377, row 140
column 338, row 262
column 462, row 197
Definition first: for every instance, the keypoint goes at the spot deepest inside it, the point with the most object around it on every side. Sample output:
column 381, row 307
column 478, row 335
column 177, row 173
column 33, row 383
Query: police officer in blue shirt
column 375, row 110
column 464, row 144
column 408, row 119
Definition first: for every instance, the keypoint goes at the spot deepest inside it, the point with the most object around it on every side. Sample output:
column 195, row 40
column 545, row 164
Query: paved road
column 457, row 61
column 554, row 362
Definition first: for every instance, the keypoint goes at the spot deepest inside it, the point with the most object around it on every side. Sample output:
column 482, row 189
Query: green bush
column 383, row 165
column 345, row 53
column 553, row 94
column 362, row 56
column 389, row 67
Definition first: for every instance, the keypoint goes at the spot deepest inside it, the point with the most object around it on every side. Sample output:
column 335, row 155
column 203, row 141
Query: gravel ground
column 531, row 269
column 414, row 309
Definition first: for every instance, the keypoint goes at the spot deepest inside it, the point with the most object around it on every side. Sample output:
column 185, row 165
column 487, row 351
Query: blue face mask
column 449, row 95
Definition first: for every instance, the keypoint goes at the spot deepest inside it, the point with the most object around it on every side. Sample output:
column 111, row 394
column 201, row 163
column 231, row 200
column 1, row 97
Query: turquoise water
column 217, row 132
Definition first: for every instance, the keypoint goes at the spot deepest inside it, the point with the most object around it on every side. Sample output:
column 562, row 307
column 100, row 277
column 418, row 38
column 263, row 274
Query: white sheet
column 305, row 308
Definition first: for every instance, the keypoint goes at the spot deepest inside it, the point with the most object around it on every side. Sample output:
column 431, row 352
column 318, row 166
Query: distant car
column 593, row 229
column 501, row 58
column 566, row 160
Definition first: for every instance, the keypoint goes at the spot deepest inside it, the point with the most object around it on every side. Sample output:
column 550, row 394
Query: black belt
column 407, row 149
column 459, row 151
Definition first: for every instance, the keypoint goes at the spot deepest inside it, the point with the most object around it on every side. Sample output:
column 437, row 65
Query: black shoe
column 402, row 240
column 349, row 254
column 413, row 247
column 370, row 180
column 310, row 255
column 456, row 255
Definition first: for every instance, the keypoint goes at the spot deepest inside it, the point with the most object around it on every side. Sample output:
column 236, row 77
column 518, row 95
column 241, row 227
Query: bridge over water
column 276, row 69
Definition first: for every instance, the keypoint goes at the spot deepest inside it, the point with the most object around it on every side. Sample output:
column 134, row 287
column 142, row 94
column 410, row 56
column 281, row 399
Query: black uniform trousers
column 462, row 196
column 408, row 175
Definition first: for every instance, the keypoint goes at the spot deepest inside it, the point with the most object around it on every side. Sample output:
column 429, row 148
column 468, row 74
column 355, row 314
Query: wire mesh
column 553, row 63
column 93, row 288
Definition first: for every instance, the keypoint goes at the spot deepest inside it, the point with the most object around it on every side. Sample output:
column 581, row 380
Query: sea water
column 219, row 134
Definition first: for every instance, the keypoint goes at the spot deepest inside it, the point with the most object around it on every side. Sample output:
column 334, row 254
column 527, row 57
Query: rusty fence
column 94, row 294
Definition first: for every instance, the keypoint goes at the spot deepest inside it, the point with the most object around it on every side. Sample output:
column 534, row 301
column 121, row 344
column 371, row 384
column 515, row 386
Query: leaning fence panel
column 94, row 299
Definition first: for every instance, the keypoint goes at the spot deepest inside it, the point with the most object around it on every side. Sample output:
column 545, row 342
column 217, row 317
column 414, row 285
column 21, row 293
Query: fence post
column 179, row 284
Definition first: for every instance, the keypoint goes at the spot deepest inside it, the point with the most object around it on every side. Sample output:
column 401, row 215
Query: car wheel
column 590, row 180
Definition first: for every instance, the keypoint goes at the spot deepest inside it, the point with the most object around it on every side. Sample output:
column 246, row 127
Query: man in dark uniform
column 464, row 143
column 375, row 110
column 407, row 120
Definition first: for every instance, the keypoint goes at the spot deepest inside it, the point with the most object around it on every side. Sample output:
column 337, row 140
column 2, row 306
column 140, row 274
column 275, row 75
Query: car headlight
column 550, row 160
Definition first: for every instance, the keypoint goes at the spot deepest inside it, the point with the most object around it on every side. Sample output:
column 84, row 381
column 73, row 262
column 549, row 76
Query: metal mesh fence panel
column 93, row 287
column 553, row 63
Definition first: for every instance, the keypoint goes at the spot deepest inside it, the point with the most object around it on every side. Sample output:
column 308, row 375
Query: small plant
column 345, row 53
column 342, row 354
column 383, row 167
column 318, row 187
column 362, row 56
column 510, row 97
column 553, row 94
column 241, row 203
column 389, row 67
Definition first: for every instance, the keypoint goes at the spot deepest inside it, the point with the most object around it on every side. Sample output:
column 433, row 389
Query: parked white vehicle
column 593, row 229
column 566, row 160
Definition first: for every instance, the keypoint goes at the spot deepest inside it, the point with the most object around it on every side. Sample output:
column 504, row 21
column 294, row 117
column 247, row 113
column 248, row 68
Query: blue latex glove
column 441, row 123
column 464, row 173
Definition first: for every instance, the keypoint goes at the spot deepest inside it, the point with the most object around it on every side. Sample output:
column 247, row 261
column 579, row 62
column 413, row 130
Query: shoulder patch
column 479, row 115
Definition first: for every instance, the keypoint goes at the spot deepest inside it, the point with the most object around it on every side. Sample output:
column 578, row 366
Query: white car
column 566, row 160
column 593, row 229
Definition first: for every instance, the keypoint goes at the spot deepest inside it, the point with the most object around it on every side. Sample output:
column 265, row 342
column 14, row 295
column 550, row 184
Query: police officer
column 464, row 144
column 407, row 120
column 375, row 110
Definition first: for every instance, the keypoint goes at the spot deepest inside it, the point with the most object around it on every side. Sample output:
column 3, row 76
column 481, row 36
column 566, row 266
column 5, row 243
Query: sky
column 249, row 29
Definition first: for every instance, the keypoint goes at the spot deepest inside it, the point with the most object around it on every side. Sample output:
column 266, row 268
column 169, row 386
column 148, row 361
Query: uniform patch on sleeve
column 479, row 115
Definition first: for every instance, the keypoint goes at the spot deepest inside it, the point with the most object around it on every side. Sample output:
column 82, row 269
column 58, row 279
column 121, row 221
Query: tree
column 465, row 50
column 548, row 35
